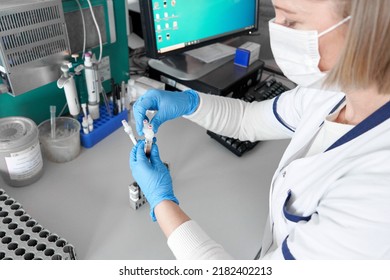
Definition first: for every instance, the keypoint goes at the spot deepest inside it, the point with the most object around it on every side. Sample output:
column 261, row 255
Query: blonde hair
column 365, row 60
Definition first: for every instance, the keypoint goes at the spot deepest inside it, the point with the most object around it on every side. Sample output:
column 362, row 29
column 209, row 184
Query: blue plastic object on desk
column 242, row 57
column 103, row 126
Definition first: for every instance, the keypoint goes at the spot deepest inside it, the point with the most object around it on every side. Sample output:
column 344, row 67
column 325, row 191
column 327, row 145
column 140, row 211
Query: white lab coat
column 331, row 205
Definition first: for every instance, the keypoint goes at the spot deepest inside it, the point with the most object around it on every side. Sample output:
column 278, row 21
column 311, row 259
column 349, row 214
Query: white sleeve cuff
column 197, row 114
column 189, row 241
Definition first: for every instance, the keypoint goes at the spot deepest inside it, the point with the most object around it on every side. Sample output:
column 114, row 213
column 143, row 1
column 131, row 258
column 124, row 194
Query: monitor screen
column 172, row 26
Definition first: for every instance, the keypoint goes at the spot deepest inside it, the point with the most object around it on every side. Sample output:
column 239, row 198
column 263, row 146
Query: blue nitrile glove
column 169, row 105
column 152, row 176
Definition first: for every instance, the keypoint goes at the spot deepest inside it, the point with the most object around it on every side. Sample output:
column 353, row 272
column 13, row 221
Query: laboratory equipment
column 34, row 42
column 131, row 93
column 103, row 127
column 137, row 197
column 21, row 161
column 90, row 123
column 66, row 144
column 111, row 18
column 106, row 101
column 149, row 135
column 53, row 121
column 171, row 28
column 118, row 98
column 66, row 81
column 267, row 89
column 87, row 120
column 23, row 238
column 84, row 122
column 123, row 95
column 131, row 97
column 114, row 97
column 127, row 128
column 92, row 86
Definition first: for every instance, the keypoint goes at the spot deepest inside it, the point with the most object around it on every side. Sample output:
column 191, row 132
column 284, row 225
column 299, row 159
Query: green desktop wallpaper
column 183, row 21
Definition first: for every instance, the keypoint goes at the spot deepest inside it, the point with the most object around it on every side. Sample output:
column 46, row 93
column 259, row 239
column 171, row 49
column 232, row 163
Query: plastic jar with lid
column 21, row 161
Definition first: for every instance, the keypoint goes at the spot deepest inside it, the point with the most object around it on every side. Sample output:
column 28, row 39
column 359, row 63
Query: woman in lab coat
column 330, row 195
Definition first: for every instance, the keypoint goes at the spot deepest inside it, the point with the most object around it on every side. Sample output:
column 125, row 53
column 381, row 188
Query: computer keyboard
column 267, row 89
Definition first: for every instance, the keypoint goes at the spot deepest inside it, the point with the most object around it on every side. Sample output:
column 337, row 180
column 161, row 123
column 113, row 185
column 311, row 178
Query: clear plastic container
column 65, row 145
column 20, row 154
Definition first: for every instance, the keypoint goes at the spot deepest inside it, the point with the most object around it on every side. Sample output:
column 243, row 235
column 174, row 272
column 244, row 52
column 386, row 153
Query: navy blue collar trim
column 375, row 119
column 335, row 108
column 292, row 217
column 286, row 251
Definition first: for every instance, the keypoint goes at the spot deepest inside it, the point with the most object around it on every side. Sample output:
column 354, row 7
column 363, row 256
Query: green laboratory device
column 38, row 37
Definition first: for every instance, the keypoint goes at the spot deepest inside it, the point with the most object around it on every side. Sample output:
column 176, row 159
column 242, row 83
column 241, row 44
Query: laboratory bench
column 86, row 200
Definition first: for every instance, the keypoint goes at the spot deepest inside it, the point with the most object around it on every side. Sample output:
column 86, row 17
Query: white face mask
column 296, row 52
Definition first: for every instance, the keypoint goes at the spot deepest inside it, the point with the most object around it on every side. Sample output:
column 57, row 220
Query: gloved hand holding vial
column 152, row 175
column 169, row 106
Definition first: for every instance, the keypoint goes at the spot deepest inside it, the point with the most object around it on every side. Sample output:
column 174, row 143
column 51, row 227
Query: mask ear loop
column 334, row 26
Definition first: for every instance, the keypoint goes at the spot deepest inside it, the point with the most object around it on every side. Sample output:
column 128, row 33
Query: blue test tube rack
column 103, row 126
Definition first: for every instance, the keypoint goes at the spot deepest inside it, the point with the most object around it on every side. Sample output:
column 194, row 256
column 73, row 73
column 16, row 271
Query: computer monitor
column 173, row 26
